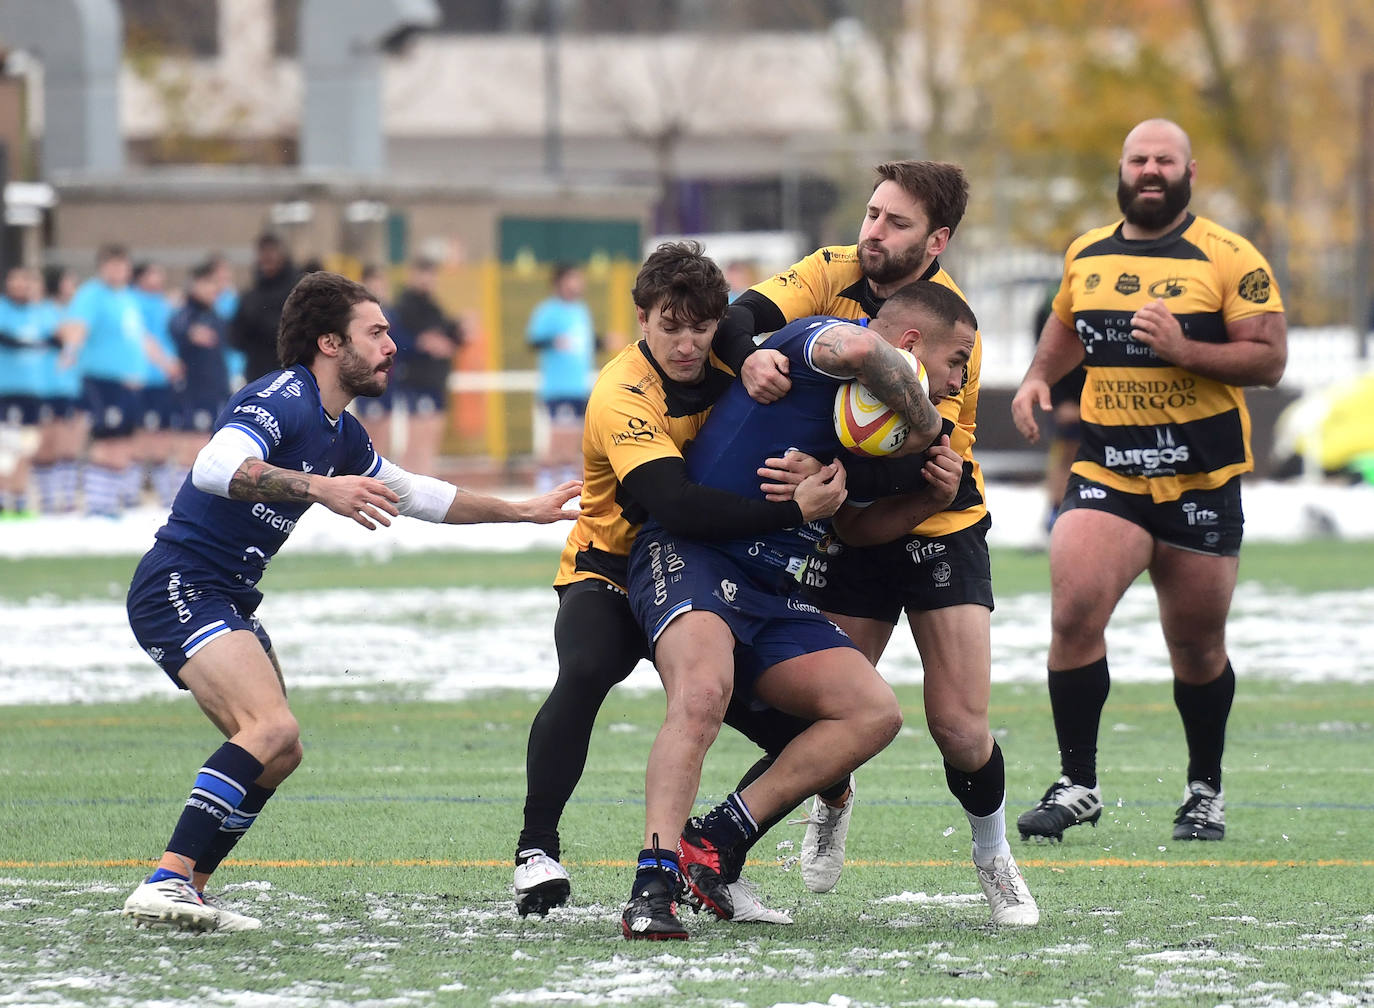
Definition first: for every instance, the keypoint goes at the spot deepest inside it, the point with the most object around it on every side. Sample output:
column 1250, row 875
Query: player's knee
column 700, row 706
column 281, row 736
column 881, row 718
column 961, row 742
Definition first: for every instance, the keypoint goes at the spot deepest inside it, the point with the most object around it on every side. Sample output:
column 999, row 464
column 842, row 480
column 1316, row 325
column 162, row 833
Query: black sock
column 730, row 823
column 1077, row 697
column 653, row 862
column 1205, row 710
column 982, row 791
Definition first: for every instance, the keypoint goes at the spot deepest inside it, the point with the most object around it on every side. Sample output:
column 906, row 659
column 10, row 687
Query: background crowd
column 110, row 384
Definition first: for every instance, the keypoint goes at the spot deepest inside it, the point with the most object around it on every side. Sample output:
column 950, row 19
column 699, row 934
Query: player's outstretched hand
column 765, row 375
column 367, row 501
column 1033, row 392
column 821, row 494
column 548, row 507
column 781, row 475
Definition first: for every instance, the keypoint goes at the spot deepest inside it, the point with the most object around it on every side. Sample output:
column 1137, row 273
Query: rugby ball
column 864, row 423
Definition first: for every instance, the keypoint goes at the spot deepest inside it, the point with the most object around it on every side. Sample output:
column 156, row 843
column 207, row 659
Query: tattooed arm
column 231, row 465
column 362, row 498
column 850, row 351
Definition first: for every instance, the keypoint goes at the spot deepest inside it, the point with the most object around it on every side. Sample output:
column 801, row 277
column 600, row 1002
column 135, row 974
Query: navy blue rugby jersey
column 740, row 433
column 283, row 413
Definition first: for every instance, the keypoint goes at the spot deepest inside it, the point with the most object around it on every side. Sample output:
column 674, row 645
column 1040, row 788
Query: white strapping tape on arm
column 221, row 457
column 422, row 497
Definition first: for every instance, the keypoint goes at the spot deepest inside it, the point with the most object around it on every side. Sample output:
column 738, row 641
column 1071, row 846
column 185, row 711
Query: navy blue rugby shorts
column 670, row 576
column 178, row 603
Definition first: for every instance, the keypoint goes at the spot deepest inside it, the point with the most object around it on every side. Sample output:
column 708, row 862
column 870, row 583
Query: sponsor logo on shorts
column 1195, row 515
column 1091, row 493
column 1212, row 538
column 814, row 576
column 728, row 590
column 922, row 551
column 797, row 605
column 174, row 596
column 156, row 654
column 661, row 564
column 941, row 574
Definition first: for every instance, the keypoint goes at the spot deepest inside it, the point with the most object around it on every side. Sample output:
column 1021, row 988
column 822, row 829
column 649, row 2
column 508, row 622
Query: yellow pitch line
column 942, row 863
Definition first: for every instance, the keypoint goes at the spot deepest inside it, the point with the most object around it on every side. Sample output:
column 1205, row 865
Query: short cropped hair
column 934, row 299
column 940, row 187
column 320, row 303
column 110, row 250
column 680, row 279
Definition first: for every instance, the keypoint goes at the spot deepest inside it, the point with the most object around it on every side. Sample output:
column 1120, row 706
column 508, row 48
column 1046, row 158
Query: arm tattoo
column 890, row 379
column 255, row 480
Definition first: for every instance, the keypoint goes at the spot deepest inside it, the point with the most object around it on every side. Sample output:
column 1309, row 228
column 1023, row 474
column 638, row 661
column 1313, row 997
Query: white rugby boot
column 822, row 857
column 541, row 884
column 748, row 906
column 230, row 920
column 1008, row 896
column 172, row 902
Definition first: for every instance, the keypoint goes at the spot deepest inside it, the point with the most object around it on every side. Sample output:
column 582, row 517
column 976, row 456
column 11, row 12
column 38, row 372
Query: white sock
column 989, row 835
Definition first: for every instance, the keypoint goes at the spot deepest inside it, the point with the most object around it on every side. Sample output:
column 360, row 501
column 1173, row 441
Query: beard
column 893, row 266
column 1154, row 215
column 360, row 379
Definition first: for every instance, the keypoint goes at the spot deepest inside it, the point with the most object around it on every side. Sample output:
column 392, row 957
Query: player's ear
column 936, row 241
column 328, row 343
column 643, row 317
column 909, row 340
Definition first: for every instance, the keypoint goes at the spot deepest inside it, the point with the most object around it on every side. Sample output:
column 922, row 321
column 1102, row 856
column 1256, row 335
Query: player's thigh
column 955, row 643
column 834, row 684
column 598, row 640
column 869, row 635
column 1194, row 592
column 1094, row 557
column 236, row 683
column 694, row 656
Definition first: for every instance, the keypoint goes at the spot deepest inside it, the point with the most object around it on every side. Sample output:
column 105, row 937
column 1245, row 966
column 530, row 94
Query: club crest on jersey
column 1168, row 287
column 1254, row 286
column 1091, row 283
column 1127, row 283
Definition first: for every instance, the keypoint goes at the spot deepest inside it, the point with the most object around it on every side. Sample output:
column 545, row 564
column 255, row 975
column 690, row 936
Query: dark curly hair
column 319, row 303
column 683, row 281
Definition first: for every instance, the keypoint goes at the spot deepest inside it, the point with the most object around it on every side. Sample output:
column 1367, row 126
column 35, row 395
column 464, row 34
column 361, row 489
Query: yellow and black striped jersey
column 1149, row 427
column 634, row 415
column 830, row 281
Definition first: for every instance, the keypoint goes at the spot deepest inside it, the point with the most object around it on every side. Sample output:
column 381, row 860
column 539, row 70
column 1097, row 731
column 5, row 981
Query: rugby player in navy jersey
column 935, row 569
column 283, row 443
column 726, row 617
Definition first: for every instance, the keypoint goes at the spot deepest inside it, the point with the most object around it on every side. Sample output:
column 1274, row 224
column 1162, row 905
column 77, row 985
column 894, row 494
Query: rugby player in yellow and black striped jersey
column 1171, row 315
column 936, row 568
column 646, row 405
